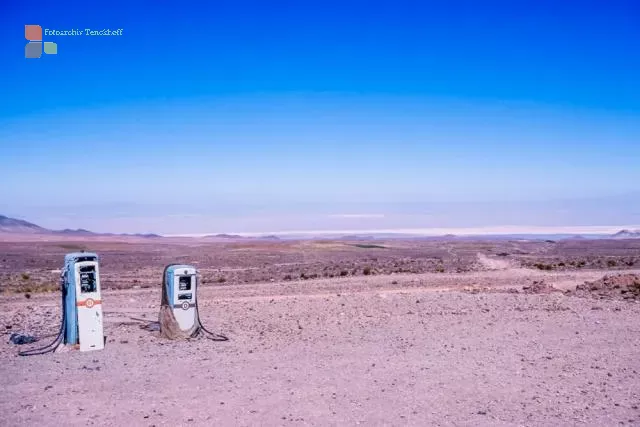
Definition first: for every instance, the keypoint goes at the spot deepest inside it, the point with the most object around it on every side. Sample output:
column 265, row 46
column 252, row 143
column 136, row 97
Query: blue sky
column 255, row 116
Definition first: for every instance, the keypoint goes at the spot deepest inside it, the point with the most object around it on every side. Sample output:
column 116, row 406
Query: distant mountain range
column 19, row 226
column 627, row 234
column 12, row 225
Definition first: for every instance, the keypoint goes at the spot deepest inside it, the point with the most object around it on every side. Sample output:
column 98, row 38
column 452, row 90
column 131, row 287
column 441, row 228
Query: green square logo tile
column 50, row 48
column 33, row 50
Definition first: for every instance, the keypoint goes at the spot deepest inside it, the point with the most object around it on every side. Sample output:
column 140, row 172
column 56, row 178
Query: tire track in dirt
column 492, row 263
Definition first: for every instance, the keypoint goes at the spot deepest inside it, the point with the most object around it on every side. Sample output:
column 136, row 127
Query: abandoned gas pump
column 179, row 316
column 83, row 303
column 81, row 325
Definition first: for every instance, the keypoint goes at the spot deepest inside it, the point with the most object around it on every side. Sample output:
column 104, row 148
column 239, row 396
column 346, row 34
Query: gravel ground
column 32, row 266
column 426, row 349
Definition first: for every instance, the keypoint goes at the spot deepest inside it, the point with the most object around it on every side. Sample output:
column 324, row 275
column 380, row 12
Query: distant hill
column 78, row 232
column 627, row 234
column 576, row 237
column 145, row 235
column 12, row 225
column 271, row 237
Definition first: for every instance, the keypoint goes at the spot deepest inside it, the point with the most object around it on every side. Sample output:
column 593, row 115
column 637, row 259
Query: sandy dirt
column 404, row 349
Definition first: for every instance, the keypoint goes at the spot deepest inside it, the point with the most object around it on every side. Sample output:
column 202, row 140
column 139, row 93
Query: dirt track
column 379, row 350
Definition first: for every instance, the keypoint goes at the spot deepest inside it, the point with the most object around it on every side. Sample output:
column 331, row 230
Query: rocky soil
column 32, row 267
column 611, row 286
column 497, row 348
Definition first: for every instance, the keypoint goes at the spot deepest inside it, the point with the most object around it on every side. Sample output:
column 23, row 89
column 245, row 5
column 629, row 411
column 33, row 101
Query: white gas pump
column 88, row 304
column 82, row 321
column 179, row 316
column 182, row 289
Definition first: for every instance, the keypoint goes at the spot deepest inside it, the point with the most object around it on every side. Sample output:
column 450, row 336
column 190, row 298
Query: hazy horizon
column 613, row 213
column 382, row 117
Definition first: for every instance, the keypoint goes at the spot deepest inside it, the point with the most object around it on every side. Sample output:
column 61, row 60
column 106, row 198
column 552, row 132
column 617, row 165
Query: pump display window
column 185, row 283
column 88, row 279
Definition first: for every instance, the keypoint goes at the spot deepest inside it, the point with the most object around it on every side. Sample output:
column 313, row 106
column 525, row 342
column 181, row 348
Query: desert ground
column 443, row 332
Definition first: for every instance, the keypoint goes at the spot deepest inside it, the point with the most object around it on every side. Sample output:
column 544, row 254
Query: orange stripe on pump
column 88, row 303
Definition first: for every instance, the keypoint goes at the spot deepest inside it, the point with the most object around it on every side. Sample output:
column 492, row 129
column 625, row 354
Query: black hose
column 51, row 347
column 212, row 336
column 209, row 334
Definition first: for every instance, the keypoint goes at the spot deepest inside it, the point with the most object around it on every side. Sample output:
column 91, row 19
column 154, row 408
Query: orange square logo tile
column 33, row 33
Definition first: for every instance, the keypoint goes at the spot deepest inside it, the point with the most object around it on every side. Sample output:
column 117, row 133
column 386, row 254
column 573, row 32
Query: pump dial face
column 185, row 305
column 184, row 283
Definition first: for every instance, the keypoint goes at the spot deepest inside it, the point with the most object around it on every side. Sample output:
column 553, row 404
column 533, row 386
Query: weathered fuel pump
column 82, row 322
column 179, row 316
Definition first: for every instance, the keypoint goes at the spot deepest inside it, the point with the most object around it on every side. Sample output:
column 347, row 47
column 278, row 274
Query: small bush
column 36, row 288
column 25, row 276
column 366, row 271
column 611, row 263
column 288, row 277
column 221, row 279
column 344, row 273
